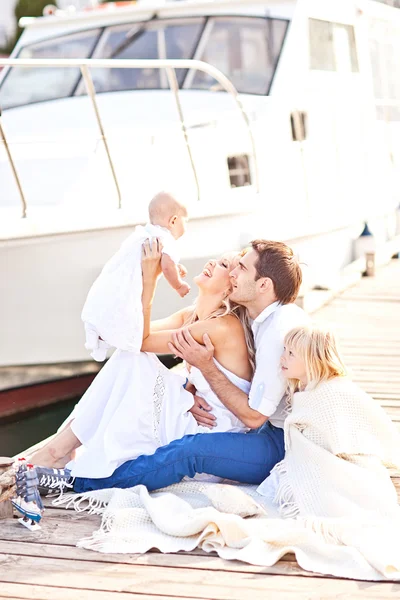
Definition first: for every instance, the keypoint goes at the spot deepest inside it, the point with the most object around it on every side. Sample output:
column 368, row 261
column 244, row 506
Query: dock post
column 365, row 247
column 370, row 264
column 6, row 509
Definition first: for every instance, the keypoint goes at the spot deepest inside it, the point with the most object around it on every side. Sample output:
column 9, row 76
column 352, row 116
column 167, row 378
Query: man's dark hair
column 277, row 261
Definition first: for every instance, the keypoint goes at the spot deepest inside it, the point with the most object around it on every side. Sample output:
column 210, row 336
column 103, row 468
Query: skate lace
column 52, row 482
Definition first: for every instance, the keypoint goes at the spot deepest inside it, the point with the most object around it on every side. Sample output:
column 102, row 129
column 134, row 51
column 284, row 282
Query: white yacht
column 314, row 154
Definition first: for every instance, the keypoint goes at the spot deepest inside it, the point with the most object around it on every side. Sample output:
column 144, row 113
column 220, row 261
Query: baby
column 112, row 313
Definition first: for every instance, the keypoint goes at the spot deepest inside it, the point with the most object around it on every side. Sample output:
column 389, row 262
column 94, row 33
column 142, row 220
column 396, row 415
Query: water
column 16, row 436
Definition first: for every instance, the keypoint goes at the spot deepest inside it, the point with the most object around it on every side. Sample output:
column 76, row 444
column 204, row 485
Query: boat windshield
column 245, row 49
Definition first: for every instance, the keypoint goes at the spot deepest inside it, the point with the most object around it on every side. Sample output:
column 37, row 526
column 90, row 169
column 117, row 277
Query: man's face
column 243, row 278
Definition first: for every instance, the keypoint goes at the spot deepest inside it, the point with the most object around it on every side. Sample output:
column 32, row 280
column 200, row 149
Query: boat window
column 158, row 39
column 332, row 46
column 24, row 86
column 239, row 170
column 245, row 49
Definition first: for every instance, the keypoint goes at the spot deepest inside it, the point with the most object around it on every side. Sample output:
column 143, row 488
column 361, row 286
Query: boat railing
column 170, row 65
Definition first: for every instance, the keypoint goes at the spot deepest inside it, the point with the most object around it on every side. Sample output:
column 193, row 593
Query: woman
column 135, row 404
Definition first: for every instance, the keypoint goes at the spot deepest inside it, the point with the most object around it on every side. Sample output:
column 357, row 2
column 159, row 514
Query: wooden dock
column 47, row 565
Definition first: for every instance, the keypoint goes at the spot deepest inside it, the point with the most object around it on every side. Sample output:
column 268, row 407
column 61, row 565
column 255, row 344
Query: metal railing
column 170, row 65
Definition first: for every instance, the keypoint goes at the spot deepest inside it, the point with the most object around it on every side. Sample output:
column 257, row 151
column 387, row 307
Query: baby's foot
column 183, row 289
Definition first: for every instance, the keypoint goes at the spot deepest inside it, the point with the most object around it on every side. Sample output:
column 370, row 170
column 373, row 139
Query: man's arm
column 185, row 346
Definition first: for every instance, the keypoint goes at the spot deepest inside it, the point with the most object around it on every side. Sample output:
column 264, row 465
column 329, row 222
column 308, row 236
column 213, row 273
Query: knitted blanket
column 334, row 505
column 338, row 445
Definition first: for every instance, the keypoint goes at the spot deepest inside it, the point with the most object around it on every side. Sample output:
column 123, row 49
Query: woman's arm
column 151, row 270
column 175, row 321
column 218, row 329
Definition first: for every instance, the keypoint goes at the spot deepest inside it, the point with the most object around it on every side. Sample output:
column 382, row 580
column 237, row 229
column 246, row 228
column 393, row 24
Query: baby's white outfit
column 113, row 308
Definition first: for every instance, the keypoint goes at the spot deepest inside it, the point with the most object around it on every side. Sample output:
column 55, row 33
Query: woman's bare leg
column 57, row 452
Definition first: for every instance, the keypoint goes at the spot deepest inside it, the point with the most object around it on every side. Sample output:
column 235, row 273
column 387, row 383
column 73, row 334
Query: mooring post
column 370, row 264
column 6, row 490
column 365, row 246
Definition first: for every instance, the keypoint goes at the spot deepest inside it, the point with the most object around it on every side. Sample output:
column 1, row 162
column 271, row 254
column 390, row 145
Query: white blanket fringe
column 284, row 494
column 95, row 503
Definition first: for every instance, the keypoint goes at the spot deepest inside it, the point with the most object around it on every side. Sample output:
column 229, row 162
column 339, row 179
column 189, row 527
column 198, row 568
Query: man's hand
column 201, row 412
column 185, row 346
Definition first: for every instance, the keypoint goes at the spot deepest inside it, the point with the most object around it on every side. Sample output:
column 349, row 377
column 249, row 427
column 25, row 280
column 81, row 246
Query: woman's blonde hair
column 319, row 350
column 231, row 308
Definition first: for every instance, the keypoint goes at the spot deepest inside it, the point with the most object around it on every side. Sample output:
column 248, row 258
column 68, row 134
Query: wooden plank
column 177, row 582
column 185, row 560
column 58, row 526
column 40, row 592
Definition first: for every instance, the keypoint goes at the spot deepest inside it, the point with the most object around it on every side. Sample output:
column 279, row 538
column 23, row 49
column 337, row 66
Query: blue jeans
column 243, row 457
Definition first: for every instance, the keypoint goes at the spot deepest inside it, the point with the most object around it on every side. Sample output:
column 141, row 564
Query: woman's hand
column 201, row 412
column 151, row 259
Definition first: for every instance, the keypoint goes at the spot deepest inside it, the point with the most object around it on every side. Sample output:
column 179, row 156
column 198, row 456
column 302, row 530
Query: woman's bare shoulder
column 229, row 324
column 230, row 321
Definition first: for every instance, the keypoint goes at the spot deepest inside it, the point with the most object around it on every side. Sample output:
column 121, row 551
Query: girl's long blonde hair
column 319, row 350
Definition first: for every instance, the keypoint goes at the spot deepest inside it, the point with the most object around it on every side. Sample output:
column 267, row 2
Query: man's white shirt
column 267, row 393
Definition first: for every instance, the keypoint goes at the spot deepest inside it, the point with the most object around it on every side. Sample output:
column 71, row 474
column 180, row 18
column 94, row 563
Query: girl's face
column 293, row 367
column 215, row 276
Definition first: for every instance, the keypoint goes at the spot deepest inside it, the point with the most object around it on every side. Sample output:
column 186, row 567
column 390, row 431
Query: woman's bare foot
column 44, row 457
column 61, row 464
column 57, row 452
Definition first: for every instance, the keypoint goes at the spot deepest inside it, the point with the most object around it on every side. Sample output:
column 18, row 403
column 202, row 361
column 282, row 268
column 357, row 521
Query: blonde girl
column 310, row 356
column 338, row 440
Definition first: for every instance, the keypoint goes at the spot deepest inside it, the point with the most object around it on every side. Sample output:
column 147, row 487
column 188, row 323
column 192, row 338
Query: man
column 266, row 281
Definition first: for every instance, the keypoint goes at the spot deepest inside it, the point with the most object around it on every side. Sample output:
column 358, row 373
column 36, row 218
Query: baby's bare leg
column 58, row 451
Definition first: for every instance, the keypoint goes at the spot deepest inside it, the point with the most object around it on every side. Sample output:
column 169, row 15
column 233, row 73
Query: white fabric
column 338, row 508
column 238, row 524
column 268, row 385
column 113, row 308
column 135, row 405
column 337, row 442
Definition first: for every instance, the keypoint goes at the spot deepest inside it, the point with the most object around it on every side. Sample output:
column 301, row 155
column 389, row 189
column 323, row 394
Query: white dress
column 113, row 308
column 136, row 405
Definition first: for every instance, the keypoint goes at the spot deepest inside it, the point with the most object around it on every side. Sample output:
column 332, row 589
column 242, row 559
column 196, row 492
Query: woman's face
column 293, row 367
column 215, row 278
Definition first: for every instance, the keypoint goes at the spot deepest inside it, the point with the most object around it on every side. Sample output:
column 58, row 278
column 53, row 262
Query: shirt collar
column 267, row 312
